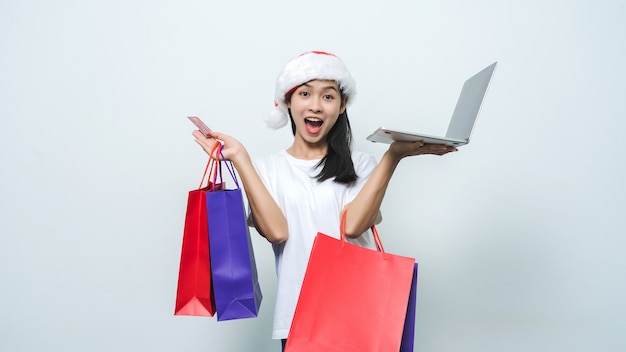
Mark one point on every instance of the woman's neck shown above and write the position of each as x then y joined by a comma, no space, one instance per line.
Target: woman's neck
306,151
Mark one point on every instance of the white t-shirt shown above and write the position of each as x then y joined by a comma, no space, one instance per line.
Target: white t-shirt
309,207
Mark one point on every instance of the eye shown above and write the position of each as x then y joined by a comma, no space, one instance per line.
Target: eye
304,93
329,97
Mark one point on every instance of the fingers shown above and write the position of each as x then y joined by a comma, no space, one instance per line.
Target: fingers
427,148
438,149
215,135
202,139
207,143
420,148
211,138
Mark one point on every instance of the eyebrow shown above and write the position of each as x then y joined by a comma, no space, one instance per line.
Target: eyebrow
323,88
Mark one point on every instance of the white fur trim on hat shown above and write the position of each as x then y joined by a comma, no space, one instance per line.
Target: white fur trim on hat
304,68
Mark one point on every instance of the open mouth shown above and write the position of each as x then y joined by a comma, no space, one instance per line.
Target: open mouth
313,125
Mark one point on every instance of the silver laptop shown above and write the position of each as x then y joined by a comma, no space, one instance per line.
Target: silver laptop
463,118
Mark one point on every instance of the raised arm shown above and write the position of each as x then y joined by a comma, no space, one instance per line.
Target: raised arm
364,209
268,219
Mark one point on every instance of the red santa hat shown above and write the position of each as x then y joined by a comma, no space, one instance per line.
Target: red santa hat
304,68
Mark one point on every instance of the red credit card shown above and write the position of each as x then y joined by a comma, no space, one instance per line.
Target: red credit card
201,126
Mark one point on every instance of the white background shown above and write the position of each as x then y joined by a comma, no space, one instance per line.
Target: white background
520,235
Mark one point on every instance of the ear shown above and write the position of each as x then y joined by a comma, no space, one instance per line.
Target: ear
344,104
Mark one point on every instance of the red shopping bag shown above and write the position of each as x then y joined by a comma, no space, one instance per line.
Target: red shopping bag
194,295
352,298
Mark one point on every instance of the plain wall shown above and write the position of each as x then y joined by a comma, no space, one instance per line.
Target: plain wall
520,235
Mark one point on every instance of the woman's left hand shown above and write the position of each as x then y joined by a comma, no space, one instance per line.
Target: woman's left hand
404,149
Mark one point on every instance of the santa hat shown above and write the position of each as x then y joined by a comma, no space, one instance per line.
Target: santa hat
304,68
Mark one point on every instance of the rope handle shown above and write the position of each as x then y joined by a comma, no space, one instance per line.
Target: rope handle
214,165
231,168
211,167
377,241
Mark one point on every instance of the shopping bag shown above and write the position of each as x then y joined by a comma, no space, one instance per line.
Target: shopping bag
408,334
194,294
352,298
233,266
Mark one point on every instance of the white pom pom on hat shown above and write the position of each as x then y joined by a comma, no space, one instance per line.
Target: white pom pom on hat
304,68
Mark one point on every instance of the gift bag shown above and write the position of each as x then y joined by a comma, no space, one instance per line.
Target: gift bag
408,335
353,299
194,294
233,267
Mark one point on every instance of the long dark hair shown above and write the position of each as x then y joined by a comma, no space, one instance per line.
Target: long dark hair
337,162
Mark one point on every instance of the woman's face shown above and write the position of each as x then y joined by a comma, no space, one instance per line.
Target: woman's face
315,107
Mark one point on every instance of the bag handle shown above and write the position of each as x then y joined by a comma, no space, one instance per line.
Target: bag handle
216,165
211,167
231,168
377,241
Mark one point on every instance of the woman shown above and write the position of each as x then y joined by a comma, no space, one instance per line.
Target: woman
302,190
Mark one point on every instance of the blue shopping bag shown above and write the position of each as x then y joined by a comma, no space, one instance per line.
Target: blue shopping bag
233,267
408,335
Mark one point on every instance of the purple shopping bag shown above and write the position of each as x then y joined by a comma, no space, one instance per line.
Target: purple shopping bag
408,335
233,267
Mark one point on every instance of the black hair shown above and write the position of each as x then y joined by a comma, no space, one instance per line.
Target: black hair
337,162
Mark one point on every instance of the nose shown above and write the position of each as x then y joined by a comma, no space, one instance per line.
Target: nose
315,106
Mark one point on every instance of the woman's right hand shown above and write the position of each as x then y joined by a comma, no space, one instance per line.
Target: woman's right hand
232,149
268,219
